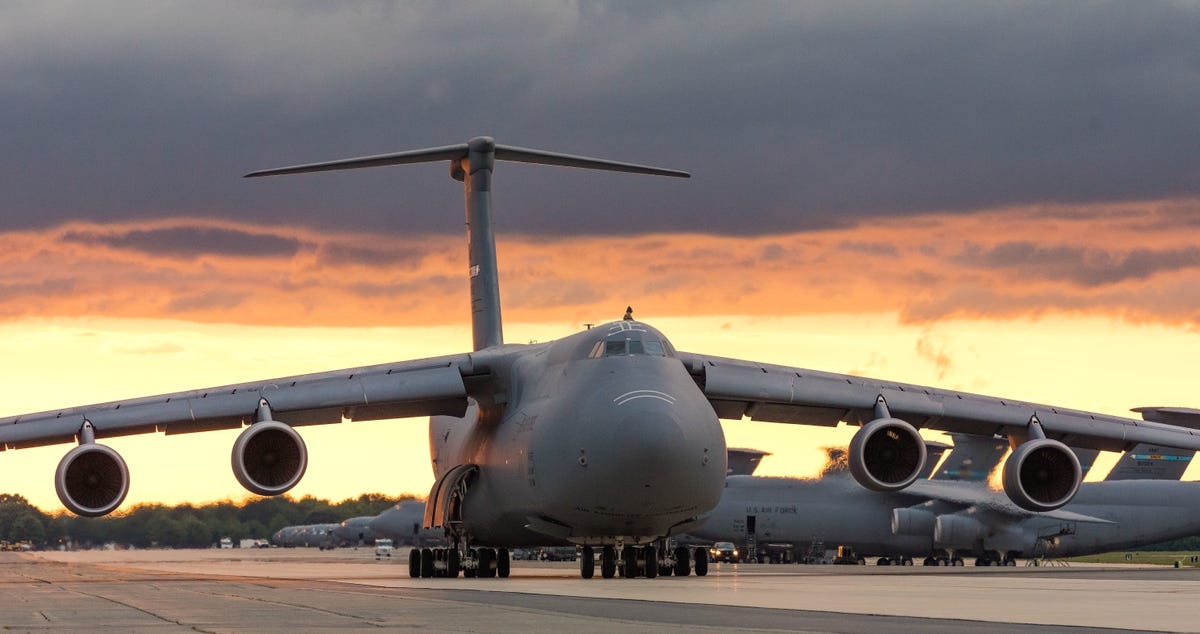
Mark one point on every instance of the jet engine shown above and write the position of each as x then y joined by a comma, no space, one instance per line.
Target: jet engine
91,480
269,458
887,454
1042,475
957,531
909,521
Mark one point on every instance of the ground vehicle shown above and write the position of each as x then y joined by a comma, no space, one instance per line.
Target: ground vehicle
383,548
724,551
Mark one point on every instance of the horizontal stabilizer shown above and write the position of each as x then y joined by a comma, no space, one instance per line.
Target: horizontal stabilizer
462,150
444,153
524,155
1188,417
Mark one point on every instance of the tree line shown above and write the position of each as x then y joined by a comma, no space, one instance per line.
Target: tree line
181,526
191,526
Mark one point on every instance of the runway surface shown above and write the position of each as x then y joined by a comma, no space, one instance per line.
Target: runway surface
306,590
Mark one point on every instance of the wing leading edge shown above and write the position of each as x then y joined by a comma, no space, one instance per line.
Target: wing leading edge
397,390
762,392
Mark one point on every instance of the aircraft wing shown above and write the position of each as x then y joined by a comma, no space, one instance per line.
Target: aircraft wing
396,390
764,392
981,498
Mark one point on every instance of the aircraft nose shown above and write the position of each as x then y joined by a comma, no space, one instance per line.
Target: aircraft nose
649,446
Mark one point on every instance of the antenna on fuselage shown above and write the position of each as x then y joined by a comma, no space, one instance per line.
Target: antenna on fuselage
472,163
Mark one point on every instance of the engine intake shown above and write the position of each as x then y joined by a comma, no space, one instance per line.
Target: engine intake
91,480
1042,475
269,458
887,454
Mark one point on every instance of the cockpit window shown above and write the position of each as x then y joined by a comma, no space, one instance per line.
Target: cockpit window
631,345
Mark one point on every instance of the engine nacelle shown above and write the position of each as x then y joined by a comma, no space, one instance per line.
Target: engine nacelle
915,522
958,531
91,480
269,458
1042,475
887,454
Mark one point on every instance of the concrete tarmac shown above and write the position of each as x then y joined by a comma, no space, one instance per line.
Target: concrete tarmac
304,590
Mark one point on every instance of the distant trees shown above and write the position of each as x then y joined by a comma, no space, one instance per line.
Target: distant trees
183,526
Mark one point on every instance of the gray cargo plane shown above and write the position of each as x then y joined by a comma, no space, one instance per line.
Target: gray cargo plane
943,521
605,439
306,535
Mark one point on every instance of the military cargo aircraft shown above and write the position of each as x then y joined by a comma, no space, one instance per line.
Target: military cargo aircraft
1141,502
606,439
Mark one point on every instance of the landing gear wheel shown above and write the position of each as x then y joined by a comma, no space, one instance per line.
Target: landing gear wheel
587,562
503,563
426,563
929,561
629,567
907,561
487,563
608,562
701,562
414,563
883,561
471,573
957,561
453,563
683,561
651,561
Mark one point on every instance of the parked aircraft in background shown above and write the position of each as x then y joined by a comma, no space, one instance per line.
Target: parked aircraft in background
307,536
355,531
403,524
605,439
945,521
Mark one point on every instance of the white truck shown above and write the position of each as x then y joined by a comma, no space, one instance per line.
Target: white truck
383,548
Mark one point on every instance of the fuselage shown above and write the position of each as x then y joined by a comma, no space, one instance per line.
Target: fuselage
597,438
833,509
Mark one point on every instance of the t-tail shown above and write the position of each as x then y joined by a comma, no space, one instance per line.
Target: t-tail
1152,462
472,163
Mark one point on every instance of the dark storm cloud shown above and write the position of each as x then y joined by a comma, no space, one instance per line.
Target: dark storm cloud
1083,266
189,242
790,115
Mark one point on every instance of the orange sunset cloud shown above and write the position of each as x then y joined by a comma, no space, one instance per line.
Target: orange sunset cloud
1129,260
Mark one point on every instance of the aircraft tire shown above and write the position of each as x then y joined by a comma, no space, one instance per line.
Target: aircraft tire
907,561
683,561
629,567
701,562
651,561
608,562
426,563
453,563
503,563
414,563
587,562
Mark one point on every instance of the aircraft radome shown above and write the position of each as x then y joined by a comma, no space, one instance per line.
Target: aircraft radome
605,439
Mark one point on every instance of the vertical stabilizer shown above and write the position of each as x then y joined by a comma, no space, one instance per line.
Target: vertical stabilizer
473,163
973,458
1148,462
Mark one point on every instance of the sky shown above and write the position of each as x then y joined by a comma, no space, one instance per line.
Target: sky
995,197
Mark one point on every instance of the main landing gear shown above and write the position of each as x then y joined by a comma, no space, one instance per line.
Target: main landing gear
448,562
648,561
